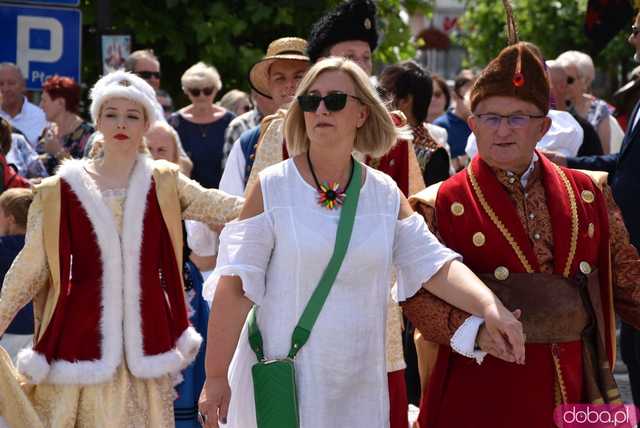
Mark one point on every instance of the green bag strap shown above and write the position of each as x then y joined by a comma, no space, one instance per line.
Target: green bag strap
311,312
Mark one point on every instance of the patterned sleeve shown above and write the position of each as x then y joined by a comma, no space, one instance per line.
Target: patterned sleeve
436,320
625,266
28,273
231,135
210,206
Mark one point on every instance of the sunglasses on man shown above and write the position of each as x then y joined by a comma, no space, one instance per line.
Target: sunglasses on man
333,102
149,74
196,91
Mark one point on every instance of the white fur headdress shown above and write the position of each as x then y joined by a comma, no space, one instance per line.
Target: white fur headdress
122,84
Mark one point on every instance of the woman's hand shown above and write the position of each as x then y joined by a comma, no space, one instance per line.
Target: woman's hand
214,401
52,141
505,331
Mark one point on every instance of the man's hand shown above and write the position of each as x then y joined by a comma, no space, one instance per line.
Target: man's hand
505,330
488,345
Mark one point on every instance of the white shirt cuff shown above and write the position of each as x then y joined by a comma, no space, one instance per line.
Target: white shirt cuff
464,339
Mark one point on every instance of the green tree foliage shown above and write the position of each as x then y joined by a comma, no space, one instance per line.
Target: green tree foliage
230,34
554,25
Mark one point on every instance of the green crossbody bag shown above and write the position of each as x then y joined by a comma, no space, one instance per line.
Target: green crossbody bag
274,381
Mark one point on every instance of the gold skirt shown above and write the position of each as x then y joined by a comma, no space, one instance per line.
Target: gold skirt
124,402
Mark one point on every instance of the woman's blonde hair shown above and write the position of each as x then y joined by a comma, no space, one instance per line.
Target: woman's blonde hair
374,138
201,75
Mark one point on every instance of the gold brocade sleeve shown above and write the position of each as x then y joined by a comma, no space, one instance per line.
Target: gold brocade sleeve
210,206
436,319
625,268
28,274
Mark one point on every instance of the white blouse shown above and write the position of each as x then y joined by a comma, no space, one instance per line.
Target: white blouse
280,255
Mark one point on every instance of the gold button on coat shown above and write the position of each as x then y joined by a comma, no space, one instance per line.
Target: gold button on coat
501,273
585,268
587,196
479,239
457,208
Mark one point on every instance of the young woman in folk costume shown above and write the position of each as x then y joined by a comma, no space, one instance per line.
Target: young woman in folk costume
103,264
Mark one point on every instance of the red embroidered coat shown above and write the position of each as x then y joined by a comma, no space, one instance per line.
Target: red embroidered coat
476,202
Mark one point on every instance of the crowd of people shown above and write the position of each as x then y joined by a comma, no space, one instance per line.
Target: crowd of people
323,251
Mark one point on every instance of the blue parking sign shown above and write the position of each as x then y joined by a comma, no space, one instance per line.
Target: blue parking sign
42,41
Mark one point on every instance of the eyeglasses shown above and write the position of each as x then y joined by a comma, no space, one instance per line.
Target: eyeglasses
514,121
196,91
149,74
571,80
634,30
333,102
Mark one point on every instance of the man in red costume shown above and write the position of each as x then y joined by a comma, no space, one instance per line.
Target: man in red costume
549,241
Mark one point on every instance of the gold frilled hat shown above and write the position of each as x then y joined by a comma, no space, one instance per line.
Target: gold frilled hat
291,48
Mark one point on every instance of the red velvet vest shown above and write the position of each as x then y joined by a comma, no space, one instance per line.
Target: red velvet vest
120,295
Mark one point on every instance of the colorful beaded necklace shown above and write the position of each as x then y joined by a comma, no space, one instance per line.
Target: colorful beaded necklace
330,196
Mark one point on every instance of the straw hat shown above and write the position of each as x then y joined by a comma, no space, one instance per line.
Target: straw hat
292,48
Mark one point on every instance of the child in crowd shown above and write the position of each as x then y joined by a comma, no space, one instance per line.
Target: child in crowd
14,206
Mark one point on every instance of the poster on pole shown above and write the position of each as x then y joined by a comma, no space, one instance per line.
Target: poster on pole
115,50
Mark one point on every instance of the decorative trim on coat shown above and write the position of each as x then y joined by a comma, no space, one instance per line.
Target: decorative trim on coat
121,321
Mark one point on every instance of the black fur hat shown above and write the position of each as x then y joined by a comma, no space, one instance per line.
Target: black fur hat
353,20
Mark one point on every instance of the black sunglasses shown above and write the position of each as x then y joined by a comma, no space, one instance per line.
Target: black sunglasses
570,80
196,91
635,30
333,102
149,74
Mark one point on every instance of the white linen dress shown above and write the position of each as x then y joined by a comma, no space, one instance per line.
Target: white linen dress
280,255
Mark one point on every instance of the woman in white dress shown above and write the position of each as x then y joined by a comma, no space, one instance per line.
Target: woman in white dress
274,256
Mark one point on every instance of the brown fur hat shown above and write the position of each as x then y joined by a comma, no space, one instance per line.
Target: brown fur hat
516,72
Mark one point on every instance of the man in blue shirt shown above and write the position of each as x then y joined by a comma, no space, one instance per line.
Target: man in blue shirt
455,120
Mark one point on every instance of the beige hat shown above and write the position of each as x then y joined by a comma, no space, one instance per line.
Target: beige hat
285,48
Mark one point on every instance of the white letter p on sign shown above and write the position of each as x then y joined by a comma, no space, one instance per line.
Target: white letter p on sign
25,54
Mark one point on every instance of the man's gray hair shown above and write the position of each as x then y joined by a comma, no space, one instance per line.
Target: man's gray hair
13,67
134,57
